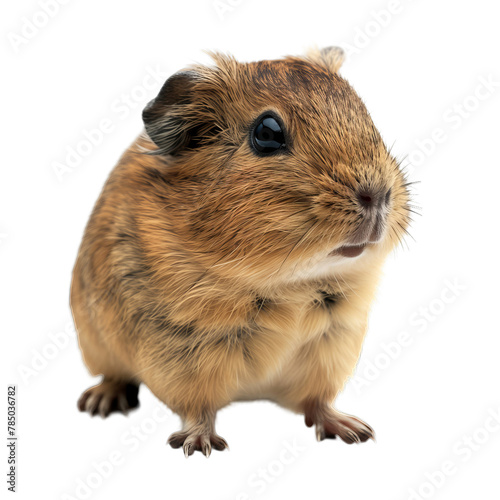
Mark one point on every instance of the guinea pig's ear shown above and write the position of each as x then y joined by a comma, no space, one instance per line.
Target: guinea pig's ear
329,57
166,117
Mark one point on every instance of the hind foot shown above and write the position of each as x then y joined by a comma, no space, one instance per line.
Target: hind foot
331,423
109,396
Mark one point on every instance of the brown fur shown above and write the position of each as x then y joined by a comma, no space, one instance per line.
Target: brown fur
197,274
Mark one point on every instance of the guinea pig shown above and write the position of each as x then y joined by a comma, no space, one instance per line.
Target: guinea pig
235,249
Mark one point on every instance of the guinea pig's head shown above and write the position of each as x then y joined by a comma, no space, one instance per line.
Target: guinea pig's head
279,170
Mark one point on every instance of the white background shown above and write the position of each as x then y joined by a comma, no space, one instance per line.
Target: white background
418,65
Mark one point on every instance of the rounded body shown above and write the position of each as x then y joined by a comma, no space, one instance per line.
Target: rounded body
235,249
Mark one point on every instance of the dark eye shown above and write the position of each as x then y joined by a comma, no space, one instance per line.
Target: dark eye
267,135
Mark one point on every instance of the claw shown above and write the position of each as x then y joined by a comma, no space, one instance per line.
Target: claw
92,404
320,432
188,449
219,443
105,408
354,437
82,401
122,403
206,449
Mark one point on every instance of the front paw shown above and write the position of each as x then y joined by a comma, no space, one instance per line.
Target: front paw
192,441
109,396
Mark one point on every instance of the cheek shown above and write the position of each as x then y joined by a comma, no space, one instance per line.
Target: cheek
339,215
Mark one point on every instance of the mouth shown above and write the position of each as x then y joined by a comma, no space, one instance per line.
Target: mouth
350,251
